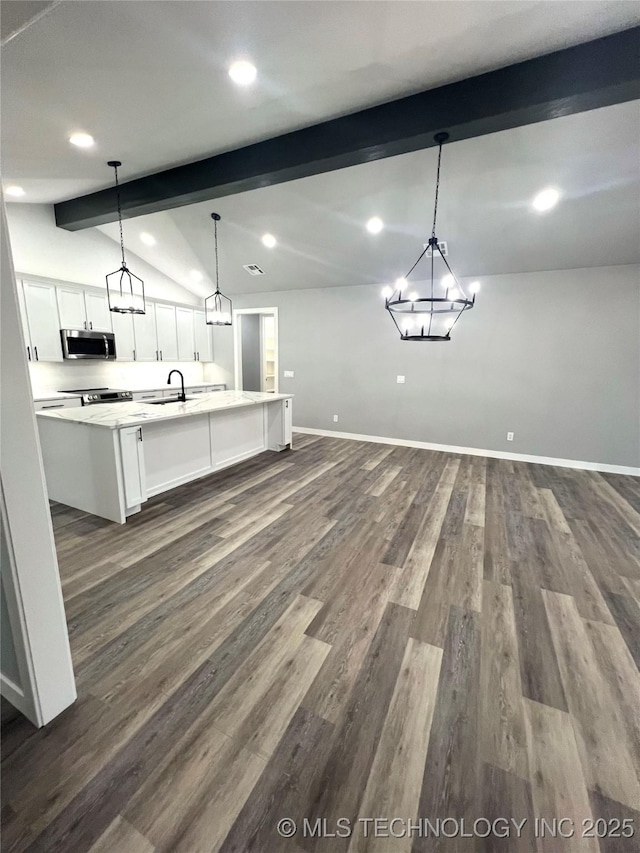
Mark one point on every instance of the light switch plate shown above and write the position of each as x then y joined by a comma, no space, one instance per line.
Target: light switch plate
400,380
288,374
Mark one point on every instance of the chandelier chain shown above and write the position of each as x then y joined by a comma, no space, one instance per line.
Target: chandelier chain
435,206
115,168
215,226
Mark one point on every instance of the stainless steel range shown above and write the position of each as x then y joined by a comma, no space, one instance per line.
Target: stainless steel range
92,396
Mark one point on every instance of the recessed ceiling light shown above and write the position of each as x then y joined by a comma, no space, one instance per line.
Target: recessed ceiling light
81,140
242,72
196,275
269,240
546,199
148,239
15,191
375,225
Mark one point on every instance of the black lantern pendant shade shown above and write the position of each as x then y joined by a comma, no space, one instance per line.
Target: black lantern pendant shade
125,291
218,308
429,312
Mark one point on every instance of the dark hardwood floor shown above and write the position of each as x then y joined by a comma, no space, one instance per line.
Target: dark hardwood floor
345,631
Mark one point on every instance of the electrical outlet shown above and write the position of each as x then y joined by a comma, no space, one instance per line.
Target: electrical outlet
335,419
288,374
509,436
400,380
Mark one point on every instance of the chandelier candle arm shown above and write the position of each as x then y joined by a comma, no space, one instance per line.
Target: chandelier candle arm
218,308
125,291
447,297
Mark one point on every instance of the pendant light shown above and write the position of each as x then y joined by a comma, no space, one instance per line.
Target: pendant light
217,307
430,312
125,291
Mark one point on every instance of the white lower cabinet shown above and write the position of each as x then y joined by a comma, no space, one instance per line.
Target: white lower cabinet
43,405
176,452
133,466
236,435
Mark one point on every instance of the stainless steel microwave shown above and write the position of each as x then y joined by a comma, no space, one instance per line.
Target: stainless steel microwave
79,344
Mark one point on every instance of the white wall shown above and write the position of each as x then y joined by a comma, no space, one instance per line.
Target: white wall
552,356
41,248
31,581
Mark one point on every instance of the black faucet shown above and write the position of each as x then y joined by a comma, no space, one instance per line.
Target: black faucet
183,396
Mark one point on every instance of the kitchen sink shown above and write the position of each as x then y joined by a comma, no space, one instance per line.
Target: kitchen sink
165,400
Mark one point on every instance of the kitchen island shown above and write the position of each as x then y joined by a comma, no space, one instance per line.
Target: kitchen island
109,459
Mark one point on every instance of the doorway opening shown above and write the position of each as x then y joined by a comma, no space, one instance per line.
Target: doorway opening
255,340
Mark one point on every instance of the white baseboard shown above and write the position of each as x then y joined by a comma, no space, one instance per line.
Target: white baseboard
475,451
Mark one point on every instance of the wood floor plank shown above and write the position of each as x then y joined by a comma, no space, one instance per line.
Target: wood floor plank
393,786
122,836
451,780
341,629
601,734
504,742
558,786
339,785
411,582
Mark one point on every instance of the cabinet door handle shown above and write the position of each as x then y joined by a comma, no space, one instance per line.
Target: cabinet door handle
139,433
157,357
35,349
194,355
160,355
286,403
90,324
29,353
198,355
57,406
84,324
134,355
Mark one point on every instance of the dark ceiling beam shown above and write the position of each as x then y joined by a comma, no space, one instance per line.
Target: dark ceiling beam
591,75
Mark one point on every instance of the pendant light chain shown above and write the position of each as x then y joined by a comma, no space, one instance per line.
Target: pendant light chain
215,225
115,168
435,206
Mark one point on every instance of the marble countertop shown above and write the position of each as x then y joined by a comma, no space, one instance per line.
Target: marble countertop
41,396
116,415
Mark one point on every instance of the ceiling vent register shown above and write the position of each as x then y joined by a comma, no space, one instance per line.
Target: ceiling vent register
253,269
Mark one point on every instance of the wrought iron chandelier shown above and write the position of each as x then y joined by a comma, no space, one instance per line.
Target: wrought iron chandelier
125,291
218,308
430,317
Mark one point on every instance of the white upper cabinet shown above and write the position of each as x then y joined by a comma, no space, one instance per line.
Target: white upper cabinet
186,338
125,340
43,322
72,310
167,332
98,315
80,309
144,327
204,342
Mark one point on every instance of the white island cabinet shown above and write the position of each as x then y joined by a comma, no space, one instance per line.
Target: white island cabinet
109,459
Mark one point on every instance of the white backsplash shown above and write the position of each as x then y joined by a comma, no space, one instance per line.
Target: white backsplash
58,376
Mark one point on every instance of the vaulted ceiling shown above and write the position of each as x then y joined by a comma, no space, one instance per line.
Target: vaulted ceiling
149,81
